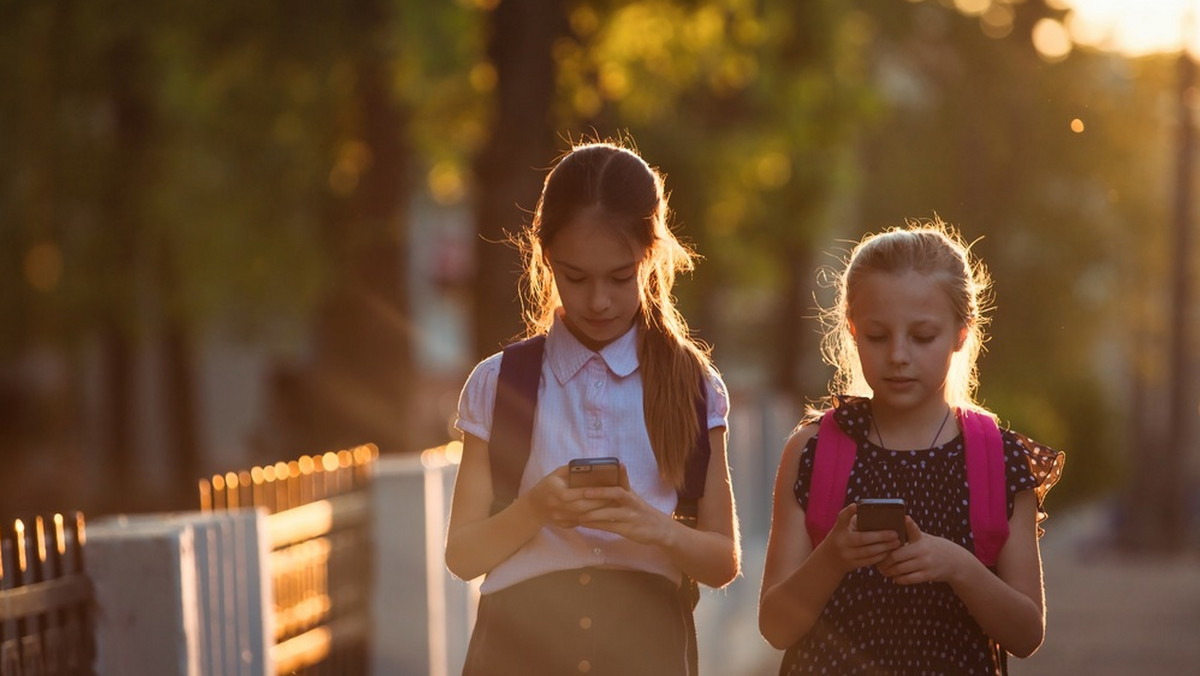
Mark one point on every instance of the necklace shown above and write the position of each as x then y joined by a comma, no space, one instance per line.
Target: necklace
932,444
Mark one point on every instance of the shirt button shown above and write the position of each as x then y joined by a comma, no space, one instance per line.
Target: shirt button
584,666
585,578
585,622
596,551
596,425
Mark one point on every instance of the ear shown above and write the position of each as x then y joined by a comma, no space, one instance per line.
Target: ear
962,338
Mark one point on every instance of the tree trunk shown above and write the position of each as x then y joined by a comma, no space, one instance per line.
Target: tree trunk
362,383
521,143
182,412
1156,512
1175,458
124,221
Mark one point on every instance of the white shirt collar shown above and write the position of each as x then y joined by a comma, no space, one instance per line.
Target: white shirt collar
567,355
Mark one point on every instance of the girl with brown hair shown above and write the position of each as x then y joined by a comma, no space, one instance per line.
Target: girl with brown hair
588,580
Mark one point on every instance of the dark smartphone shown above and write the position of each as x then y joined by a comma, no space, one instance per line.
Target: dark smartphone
585,472
882,514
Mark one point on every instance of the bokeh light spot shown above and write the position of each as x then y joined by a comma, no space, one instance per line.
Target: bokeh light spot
997,21
972,7
482,77
773,169
354,157
1051,40
446,183
43,266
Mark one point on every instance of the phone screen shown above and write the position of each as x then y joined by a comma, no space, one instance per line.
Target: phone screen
882,514
585,472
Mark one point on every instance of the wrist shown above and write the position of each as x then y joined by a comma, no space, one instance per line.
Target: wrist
671,533
826,562
530,511
965,567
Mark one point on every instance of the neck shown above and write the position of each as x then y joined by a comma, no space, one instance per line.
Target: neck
912,429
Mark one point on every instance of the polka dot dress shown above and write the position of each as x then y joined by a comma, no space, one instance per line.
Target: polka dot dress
874,626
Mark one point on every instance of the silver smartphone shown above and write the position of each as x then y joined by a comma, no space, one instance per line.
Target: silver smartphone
586,472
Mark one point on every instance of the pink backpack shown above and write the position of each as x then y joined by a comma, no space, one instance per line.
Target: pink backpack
988,502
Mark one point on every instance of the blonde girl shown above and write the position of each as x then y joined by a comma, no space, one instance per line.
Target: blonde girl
586,580
904,337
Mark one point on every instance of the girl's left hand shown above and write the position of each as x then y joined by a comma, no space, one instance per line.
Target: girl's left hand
626,514
925,558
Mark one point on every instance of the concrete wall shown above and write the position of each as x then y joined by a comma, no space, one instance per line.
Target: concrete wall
184,594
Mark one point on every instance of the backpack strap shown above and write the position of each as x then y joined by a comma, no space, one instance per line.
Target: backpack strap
831,473
512,417
696,470
986,482
512,430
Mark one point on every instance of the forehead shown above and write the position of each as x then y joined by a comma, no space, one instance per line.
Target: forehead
591,241
899,297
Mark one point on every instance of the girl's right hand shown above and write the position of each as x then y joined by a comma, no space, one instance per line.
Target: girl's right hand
557,503
852,548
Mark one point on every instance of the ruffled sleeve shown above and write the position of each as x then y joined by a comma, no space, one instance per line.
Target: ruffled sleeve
1031,466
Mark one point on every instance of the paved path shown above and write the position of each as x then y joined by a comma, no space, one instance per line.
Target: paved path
1113,615
1108,615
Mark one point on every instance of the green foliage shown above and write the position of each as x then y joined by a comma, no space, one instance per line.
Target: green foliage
784,128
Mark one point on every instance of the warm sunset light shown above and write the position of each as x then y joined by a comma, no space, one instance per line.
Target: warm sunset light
1133,27
1051,40
260,271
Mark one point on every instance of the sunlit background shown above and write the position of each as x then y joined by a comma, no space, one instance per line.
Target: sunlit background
1134,28
235,234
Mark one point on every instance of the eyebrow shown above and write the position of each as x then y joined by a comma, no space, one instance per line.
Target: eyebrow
631,266
920,323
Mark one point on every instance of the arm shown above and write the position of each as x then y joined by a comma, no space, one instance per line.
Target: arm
1008,605
798,580
710,553
477,541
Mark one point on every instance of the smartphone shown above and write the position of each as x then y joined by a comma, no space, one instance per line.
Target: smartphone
585,472
882,514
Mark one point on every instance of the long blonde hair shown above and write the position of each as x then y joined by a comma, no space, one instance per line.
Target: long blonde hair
619,183
932,248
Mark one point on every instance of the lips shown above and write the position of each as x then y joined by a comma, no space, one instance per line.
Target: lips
597,323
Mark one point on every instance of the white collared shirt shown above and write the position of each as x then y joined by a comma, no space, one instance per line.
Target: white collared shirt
589,405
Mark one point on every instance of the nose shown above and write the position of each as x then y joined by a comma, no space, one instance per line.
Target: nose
899,351
599,297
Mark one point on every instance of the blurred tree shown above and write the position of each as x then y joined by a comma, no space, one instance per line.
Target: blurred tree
979,131
749,108
205,172
364,372
1157,513
246,171
520,141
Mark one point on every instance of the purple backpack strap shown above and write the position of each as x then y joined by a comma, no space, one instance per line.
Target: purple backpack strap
512,430
987,484
831,473
512,417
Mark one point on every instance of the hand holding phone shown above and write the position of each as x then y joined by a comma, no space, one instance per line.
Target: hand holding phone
883,514
591,472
